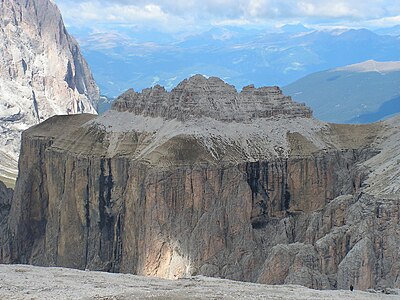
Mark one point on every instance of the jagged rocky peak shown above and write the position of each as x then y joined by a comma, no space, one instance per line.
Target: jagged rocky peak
42,74
199,96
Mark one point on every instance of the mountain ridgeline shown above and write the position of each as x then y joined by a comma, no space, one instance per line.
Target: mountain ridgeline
361,93
42,73
207,180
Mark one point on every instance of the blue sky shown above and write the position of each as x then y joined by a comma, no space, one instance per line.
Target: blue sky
193,15
146,42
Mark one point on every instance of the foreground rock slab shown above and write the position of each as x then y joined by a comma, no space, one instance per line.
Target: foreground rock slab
28,282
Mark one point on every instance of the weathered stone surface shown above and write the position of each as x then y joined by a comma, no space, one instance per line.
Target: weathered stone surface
42,73
5,200
278,199
6,195
25,282
198,97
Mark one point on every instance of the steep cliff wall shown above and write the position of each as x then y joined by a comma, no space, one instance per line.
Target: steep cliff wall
42,73
277,200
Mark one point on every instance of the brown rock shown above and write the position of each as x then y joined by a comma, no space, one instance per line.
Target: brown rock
169,198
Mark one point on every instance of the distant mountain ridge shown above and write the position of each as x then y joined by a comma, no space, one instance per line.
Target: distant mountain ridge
360,93
242,56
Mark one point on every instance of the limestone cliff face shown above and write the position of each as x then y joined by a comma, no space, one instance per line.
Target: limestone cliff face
6,195
199,97
278,199
42,73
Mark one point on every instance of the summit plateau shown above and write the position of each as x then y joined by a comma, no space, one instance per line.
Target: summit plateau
206,180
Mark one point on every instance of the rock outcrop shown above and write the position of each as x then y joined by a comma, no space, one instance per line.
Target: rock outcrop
6,195
42,73
198,97
156,190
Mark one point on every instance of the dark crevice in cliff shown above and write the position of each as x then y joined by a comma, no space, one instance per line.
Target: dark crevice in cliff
69,76
106,222
253,176
105,192
257,183
257,179
117,245
24,66
348,248
35,106
285,194
286,198
87,213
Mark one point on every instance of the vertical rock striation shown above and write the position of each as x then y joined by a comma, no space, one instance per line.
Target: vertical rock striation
274,198
42,73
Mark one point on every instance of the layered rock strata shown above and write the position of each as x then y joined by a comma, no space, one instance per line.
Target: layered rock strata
42,73
212,97
284,199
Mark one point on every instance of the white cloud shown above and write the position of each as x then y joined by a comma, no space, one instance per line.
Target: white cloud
385,21
180,15
96,11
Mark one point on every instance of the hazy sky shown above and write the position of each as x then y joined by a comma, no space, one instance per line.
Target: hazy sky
191,15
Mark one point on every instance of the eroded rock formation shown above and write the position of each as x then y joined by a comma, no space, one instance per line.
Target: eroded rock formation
201,97
42,73
276,199
5,201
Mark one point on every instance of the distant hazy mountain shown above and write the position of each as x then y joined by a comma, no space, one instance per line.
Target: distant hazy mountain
394,30
359,93
104,104
135,58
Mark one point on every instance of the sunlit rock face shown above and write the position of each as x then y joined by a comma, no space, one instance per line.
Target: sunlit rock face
198,97
42,73
156,188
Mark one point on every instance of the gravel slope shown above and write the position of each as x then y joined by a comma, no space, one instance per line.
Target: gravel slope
28,282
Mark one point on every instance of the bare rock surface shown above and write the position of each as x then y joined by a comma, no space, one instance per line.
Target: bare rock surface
273,199
42,73
22,282
198,97
6,195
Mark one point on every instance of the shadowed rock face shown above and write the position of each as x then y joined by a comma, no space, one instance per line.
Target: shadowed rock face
42,73
6,195
281,200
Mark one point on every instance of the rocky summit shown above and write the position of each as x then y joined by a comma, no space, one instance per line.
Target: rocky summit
205,180
201,97
42,73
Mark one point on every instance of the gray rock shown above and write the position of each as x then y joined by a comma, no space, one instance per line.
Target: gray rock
199,97
42,73
6,195
276,199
